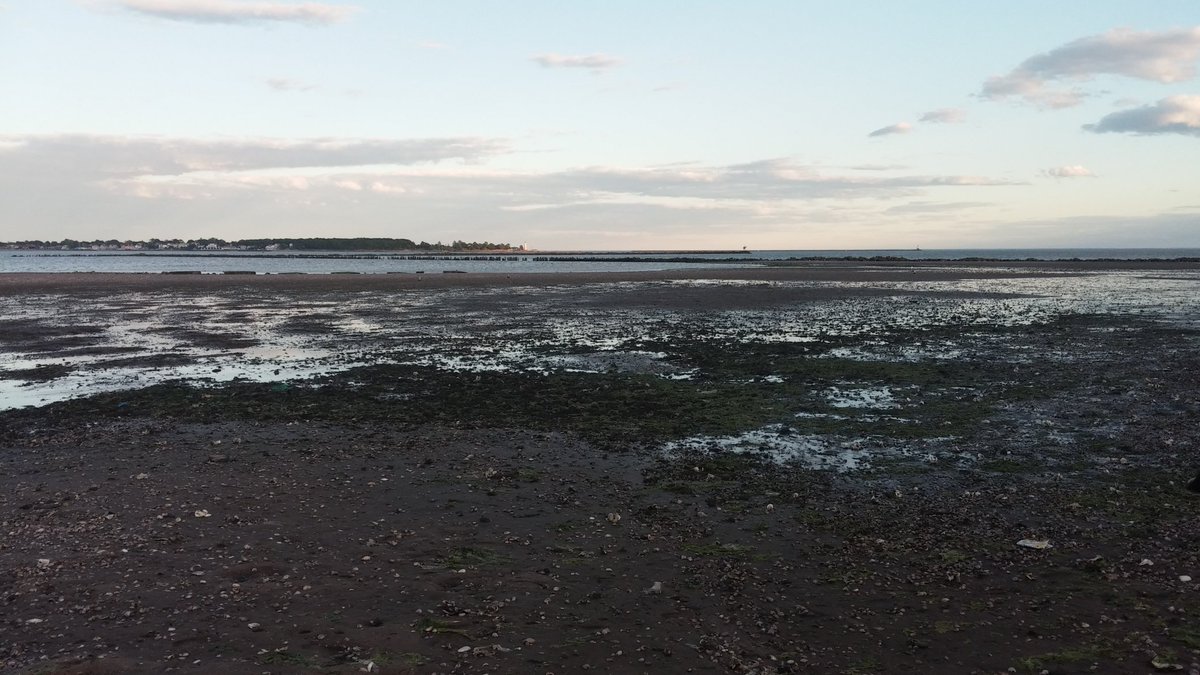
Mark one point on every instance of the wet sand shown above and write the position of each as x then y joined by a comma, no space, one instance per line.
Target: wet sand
822,468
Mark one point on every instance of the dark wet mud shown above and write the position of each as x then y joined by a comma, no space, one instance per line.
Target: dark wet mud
737,475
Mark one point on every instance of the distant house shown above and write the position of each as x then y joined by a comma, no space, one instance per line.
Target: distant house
212,247
273,247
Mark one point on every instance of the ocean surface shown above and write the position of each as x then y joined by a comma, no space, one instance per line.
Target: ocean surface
315,262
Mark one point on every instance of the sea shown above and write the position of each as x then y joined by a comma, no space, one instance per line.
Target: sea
390,262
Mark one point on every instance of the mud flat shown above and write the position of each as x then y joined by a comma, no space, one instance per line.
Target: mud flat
828,468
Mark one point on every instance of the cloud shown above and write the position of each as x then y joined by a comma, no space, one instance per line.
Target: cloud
95,158
1163,56
286,84
1069,171
944,116
675,186
157,159
934,208
234,12
85,186
1171,115
898,128
597,63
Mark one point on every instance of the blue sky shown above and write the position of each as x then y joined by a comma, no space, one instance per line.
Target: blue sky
604,124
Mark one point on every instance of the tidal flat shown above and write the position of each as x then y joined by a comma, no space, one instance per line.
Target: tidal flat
822,467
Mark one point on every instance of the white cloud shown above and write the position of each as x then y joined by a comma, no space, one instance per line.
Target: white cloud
766,180
79,161
597,63
697,186
681,186
1069,171
87,186
1163,56
1171,115
944,116
287,84
387,188
898,128
237,12
935,208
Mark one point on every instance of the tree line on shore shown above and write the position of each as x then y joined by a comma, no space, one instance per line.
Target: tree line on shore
290,244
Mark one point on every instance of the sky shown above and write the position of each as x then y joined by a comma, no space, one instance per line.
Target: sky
649,124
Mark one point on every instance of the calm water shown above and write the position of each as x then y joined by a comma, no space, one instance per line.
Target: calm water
381,263
311,263
999,254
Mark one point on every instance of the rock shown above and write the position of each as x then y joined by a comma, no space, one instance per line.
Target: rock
1034,543
614,518
1146,562
656,588
255,627
1184,578
202,513
1194,484
490,650
1159,663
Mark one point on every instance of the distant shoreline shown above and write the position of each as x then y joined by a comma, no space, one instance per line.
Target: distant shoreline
597,256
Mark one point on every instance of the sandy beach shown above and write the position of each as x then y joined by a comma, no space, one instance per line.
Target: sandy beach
826,468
